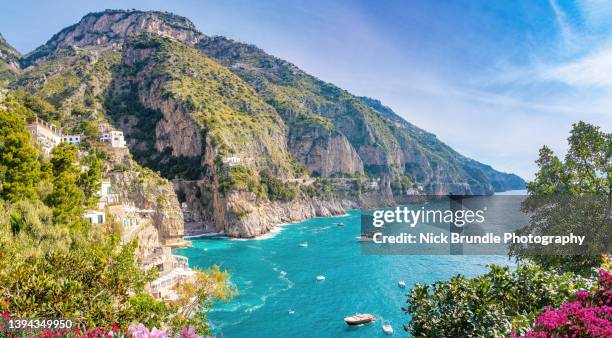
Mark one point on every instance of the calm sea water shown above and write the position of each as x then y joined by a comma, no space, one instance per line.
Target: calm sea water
280,296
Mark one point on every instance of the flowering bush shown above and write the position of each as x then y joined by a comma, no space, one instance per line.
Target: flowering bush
589,315
493,304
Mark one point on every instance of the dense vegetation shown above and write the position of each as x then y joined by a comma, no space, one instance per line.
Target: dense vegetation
53,264
491,305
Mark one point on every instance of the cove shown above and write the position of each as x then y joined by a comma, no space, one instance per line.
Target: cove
280,296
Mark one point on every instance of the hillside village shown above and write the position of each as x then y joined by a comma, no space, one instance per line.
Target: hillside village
134,221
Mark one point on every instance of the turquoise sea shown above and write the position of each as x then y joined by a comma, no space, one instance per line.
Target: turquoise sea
280,296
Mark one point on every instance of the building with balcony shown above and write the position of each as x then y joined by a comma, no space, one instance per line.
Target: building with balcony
46,134
114,138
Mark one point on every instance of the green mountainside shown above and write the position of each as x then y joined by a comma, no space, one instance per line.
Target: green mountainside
188,102
385,142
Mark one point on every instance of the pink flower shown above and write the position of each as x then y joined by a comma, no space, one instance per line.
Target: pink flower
140,331
189,332
582,294
155,333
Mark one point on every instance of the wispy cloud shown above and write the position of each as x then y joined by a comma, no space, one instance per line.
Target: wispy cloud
592,70
569,39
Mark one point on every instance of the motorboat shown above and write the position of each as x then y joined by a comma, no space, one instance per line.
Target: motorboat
340,224
304,245
320,278
401,284
387,328
359,319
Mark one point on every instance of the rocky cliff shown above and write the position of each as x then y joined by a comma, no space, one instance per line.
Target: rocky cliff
9,61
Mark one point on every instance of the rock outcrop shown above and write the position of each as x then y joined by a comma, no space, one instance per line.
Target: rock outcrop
140,188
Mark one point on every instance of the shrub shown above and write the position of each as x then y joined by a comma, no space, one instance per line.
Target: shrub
493,304
588,315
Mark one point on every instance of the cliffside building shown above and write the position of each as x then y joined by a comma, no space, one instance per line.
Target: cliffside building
96,217
46,134
114,138
72,138
231,161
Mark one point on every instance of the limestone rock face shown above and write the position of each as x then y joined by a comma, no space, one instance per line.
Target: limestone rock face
112,26
324,152
146,191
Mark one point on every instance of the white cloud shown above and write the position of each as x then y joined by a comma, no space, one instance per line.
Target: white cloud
591,70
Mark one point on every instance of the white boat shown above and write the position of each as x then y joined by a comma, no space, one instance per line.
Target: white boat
320,278
401,284
359,318
291,311
387,328
304,245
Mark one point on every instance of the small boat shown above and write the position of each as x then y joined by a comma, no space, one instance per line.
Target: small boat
304,245
320,278
387,328
401,284
291,311
340,224
359,318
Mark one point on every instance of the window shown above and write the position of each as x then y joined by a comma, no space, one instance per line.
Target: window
100,219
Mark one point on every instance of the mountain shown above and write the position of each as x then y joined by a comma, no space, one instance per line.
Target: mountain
384,142
249,140
9,61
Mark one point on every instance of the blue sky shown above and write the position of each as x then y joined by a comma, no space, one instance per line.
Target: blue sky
494,79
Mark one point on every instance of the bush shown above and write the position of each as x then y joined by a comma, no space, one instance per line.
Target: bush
493,304
238,177
275,188
588,315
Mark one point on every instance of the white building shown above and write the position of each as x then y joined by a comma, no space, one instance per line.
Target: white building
231,161
95,216
114,138
106,194
72,138
46,134
372,185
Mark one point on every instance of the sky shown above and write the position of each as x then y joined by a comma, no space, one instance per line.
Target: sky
495,80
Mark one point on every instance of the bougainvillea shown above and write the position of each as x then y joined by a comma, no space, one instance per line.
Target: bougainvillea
589,315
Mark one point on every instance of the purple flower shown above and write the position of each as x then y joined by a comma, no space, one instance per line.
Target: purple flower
189,332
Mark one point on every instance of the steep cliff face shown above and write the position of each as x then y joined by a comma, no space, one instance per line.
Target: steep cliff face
143,189
325,151
9,61
111,27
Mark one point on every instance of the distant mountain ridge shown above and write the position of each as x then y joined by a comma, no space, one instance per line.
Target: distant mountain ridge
187,102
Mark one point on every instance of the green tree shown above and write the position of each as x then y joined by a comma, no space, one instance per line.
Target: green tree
572,196
89,180
20,170
67,199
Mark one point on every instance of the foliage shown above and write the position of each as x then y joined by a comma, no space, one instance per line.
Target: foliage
490,305
67,199
275,188
589,314
89,180
575,196
20,170
52,264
